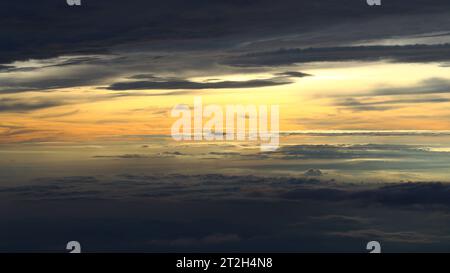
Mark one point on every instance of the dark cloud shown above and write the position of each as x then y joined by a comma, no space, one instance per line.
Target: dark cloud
294,152
75,187
144,76
403,237
342,219
313,172
61,62
184,84
409,193
357,105
158,37
234,187
404,194
46,33
223,213
283,57
28,104
52,81
294,74
125,156
17,105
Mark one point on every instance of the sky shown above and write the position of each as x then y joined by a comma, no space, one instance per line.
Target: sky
89,72
86,153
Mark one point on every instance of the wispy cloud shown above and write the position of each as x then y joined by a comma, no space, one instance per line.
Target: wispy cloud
19,105
406,54
383,105
185,84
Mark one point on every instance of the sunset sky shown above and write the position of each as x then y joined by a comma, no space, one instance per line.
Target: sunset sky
86,153
364,68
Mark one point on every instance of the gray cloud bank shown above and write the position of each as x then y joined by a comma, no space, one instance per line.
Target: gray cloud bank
200,38
224,213
203,23
179,187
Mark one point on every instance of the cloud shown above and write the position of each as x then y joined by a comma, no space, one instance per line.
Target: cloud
283,57
236,187
402,194
63,188
57,73
60,115
313,172
201,25
27,103
411,237
357,105
409,193
369,101
360,105
16,132
306,152
429,86
294,74
125,156
51,63
185,84
18,105
197,41
268,213
341,219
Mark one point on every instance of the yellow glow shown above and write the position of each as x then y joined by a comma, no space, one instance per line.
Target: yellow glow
306,104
